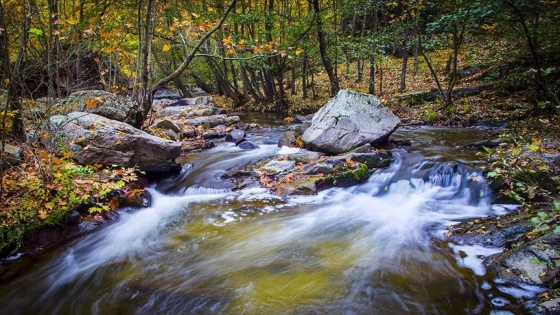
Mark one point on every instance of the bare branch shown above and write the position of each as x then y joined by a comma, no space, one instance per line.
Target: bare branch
193,53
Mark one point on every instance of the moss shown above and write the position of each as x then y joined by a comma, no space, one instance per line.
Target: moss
345,176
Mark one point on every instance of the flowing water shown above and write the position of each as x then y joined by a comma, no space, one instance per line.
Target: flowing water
376,248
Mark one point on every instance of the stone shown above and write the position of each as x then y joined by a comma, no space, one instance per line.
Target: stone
211,121
94,139
12,156
276,167
236,135
288,139
167,124
247,145
349,120
166,94
366,148
221,130
210,134
100,102
533,262
191,133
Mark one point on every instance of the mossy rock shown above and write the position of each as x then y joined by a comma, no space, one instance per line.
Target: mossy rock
345,176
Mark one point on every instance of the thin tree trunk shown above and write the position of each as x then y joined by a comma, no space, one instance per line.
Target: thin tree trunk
404,66
304,83
323,49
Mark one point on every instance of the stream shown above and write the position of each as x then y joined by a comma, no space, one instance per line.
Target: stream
376,248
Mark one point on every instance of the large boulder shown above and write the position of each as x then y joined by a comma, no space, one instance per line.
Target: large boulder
349,120
94,139
102,103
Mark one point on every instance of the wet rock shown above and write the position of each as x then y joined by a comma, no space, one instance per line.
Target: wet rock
305,157
547,307
93,139
348,121
374,160
304,187
288,139
489,235
534,262
242,179
12,156
102,103
485,143
344,177
197,145
235,135
276,167
247,145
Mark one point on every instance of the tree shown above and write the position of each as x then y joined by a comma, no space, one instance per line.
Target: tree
145,91
9,77
327,63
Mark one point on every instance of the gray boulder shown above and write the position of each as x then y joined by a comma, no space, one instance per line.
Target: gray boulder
12,156
95,139
349,120
102,103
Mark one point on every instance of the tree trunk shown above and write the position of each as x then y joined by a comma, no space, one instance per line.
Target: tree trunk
304,83
17,129
323,49
404,66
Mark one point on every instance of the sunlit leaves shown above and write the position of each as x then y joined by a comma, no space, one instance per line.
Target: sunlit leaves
36,31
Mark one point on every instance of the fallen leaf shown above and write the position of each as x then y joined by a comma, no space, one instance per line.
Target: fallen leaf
92,103
43,214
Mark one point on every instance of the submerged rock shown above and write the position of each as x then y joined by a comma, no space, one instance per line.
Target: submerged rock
348,121
247,145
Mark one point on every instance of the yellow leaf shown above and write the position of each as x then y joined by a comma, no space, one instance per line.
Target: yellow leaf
56,160
67,154
299,51
72,20
92,103
43,214
166,48
227,41
44,154
230,52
